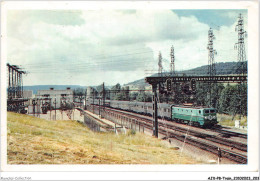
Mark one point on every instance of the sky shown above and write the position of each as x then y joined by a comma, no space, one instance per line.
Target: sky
89,47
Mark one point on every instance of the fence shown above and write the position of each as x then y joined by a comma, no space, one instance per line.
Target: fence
122,120
91,123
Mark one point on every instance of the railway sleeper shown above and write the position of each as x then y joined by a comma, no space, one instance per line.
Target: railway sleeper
203,146
213,149
239,146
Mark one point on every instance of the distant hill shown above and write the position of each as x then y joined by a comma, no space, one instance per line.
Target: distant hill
222,68
35,88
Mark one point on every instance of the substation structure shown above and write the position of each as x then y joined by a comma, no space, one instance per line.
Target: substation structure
15,99
169,81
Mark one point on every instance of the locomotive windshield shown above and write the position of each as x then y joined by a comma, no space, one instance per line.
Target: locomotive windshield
210,111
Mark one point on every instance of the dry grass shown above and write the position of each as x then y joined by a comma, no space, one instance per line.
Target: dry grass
226,120
37,141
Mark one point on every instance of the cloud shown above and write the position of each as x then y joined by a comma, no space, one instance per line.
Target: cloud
59,17
213,17
86,47
226,38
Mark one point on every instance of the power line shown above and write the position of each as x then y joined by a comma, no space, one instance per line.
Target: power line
79,63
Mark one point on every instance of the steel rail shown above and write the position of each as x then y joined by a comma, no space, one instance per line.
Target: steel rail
233,144
230,133
202,145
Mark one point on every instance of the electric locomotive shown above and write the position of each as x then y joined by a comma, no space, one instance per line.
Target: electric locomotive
199,116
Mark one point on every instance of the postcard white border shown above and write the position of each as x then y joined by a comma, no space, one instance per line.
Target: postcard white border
253,82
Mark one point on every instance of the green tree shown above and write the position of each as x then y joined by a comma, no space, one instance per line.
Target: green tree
203,97
79,92
143,96
114,91
126,93
133,96
233,99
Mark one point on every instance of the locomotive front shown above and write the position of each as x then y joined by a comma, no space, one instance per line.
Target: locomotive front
200,116
210,116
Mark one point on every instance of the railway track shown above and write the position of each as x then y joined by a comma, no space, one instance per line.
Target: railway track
213,138
218,129
227,133
177,132
209,147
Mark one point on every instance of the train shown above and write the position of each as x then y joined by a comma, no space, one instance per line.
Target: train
196,116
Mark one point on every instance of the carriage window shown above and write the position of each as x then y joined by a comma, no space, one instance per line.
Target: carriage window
212,111
206,111
200,112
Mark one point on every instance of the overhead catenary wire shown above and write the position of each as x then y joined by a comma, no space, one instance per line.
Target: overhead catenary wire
91,58
164,121
82,65
95,57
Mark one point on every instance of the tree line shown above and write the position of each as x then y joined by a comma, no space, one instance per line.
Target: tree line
226,98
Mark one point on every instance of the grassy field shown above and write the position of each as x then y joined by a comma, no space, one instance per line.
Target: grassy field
37,141
226,120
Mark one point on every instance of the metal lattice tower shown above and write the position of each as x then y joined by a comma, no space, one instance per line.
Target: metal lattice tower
212,52
211,65
160,64
240,46
172,61
241,57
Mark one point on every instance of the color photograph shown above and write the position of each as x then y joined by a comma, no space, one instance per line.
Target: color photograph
124,85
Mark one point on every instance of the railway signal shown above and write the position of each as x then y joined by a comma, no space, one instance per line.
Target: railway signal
169,85
155,81
193,85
